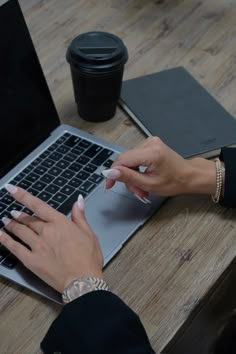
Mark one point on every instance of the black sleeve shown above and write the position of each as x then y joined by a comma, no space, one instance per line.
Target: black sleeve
228,155
97,323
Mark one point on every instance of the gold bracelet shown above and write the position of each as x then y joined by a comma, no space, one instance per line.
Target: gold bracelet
220,173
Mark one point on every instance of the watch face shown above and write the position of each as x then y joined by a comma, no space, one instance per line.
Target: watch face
79,288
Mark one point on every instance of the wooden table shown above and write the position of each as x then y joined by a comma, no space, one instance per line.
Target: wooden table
170,264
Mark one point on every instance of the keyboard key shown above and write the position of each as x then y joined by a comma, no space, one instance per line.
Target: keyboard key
39,185
55,171
87,187
95,178
28,169
68,174
47,178
27,211
15,206
53,204
62,164
24,184
2,207
32,177
108,163
60,181
36,162
19,177
82,175
70,157
63,149
102,157
55,156
67,135
53,147
75,182
93,150
66,207
5,214
40,170
72,141
44,196
10,262
75,167
7,199
90,168
68,190
44,154
61,139
83,160
3,192
3,253
85,143
59,197
33,191
52,188
78,151
48,163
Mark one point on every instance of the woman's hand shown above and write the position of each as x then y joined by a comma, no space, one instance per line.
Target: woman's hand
59,250
166,172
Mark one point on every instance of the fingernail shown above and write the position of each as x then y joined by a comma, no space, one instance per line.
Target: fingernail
147,200
11,189
141,199
112,173
15,213
6,220
104,186
80,202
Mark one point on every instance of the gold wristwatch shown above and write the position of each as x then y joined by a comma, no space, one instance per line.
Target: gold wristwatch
82,286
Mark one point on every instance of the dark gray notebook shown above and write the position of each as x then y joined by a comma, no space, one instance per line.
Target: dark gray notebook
172,105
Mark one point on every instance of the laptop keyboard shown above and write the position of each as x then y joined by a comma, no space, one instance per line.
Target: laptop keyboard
64,170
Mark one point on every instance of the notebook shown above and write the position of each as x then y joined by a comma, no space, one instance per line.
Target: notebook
52,161
171,104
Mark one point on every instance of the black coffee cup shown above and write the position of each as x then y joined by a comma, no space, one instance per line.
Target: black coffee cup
97,62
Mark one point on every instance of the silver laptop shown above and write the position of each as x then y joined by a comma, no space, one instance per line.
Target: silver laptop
54,162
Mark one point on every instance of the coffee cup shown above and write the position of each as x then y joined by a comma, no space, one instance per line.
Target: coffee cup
97,62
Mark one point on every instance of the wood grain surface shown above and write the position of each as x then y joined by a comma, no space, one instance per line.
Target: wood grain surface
169,264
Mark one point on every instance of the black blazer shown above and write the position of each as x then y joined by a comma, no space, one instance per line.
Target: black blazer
100,322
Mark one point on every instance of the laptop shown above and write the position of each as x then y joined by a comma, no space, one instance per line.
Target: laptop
54,162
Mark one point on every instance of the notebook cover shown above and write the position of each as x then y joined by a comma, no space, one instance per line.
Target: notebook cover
172,105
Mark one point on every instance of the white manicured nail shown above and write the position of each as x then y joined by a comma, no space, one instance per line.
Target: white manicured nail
141,199
112,173
11,189
16,214
147,200
104,186
6,220
80,202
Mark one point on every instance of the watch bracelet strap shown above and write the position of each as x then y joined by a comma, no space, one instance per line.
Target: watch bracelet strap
99,283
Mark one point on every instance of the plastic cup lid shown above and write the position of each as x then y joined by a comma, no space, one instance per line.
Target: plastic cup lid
97,51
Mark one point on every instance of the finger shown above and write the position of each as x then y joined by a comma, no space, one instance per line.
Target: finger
130,177
20,251
77,213
33,222
21,231
133,158
137,191
41,209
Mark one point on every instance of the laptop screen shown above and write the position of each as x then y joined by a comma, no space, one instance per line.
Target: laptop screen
27,112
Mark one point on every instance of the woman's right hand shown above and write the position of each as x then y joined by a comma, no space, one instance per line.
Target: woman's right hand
166,172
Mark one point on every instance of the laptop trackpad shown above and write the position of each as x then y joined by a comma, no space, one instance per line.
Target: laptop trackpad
114,216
